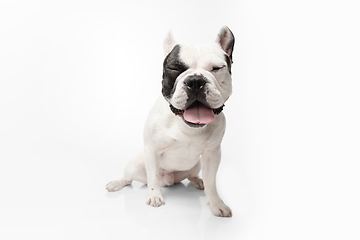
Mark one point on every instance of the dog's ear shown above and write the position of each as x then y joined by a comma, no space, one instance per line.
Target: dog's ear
226,40
169,43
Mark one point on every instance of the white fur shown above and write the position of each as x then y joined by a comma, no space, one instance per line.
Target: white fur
174,151
169,43
200,59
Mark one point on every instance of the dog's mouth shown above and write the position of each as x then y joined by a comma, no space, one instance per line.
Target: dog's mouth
197,114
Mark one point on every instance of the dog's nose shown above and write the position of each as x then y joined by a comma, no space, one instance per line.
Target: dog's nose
195,83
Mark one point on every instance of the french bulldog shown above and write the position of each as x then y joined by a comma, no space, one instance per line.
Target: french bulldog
185,127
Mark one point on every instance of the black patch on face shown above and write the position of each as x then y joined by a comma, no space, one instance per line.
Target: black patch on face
172,68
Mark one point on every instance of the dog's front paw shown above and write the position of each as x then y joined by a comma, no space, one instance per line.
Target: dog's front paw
155,200
220,209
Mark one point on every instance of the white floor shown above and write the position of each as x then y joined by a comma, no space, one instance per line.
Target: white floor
65,198
77,79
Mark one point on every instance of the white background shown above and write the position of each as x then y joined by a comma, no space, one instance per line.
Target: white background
77,79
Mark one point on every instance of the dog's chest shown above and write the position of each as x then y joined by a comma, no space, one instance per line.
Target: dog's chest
180,156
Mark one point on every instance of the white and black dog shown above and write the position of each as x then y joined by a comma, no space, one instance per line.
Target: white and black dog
184,129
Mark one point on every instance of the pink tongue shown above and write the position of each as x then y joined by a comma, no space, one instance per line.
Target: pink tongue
198,113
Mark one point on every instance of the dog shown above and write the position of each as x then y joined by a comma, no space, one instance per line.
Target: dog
184,129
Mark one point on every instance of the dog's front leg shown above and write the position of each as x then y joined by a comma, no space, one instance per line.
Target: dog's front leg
210,161
155,198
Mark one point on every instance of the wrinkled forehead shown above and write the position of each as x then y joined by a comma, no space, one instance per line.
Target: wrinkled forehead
202,55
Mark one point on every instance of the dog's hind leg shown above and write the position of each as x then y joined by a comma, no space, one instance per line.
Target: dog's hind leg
192,175
134,170
117,185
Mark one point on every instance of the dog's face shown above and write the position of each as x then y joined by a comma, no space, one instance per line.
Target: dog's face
197,78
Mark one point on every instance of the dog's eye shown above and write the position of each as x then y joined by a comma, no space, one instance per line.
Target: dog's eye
216,68
173,69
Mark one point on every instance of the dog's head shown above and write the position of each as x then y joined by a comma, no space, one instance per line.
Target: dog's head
197,78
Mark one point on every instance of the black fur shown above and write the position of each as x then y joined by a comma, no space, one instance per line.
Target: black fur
228,62
172,68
